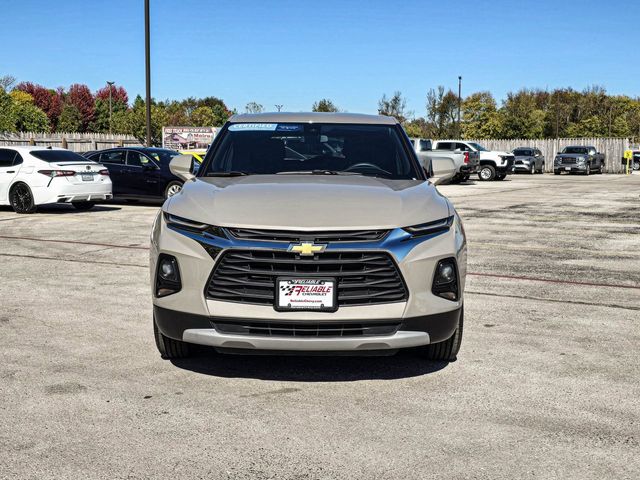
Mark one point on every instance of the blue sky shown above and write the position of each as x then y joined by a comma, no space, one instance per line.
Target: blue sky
296,52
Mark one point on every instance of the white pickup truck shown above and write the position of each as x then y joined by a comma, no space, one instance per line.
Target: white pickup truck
494,165
452,165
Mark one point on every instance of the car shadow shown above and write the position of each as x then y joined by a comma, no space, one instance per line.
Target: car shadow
66,209
300,368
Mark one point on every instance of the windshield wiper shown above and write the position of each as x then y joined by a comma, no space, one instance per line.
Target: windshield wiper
232,173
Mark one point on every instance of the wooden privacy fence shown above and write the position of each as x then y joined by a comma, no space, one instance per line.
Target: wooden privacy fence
613,148
77,142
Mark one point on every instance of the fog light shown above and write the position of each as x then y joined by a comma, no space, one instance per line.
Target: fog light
445,281
167,269
446,273
168,276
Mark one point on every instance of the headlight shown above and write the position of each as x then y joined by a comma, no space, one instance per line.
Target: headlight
429,228
182,223
558,160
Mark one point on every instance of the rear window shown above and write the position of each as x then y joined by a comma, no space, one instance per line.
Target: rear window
57,156
302,148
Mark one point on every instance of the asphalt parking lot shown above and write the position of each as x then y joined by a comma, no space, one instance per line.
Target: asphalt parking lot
546,385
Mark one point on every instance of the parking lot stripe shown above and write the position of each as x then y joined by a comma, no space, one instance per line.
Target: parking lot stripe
76,242
556,300
75,260
551,280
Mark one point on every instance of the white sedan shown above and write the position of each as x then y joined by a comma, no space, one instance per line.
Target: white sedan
32,176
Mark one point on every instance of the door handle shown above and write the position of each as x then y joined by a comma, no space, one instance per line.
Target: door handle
11,171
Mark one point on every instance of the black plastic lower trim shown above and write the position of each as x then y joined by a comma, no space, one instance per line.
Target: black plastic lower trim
171,323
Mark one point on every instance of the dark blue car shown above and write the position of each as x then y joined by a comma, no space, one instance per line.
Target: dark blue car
140,172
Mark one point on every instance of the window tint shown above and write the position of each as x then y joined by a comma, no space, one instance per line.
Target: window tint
445,146
425,145
6,157
57,156
269,148
463,147
578,150
137,159
522,152
114,157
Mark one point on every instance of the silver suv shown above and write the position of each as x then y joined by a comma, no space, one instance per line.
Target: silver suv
306,233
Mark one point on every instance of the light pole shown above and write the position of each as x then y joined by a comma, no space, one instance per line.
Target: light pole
110,108
147,61
459,102
279,107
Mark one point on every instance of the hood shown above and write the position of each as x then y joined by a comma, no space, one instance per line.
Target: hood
311,202
571,155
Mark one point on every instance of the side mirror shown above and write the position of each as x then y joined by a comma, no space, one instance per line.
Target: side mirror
180,166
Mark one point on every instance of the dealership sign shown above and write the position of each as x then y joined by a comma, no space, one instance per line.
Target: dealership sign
187,138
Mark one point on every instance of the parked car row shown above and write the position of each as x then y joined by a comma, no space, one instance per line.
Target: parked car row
457,160
140,173
32,176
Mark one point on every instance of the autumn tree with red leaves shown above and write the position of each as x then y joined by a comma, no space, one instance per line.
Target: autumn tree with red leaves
49,101
81,97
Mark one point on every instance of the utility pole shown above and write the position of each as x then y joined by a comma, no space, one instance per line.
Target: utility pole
279,107
147,61
110,108
459,102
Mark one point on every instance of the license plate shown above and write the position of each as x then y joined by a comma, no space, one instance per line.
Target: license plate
567,168
87,177
317,294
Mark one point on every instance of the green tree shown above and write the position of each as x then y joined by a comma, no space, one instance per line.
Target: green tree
442,112
7,113
70,119
480,117
253,107
29,118
203,117
396,107
522,116
324,105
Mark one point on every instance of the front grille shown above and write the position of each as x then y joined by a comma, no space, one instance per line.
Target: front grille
297,236
568,160
519,162
249,276
270,329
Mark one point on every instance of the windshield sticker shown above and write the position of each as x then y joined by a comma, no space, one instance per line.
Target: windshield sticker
289,128
250,127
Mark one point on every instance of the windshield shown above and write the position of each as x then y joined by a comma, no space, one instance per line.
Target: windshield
580,150
311,148
162,156
478,147
58,156
523,153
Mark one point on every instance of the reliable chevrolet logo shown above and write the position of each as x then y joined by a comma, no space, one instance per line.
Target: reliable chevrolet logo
306,249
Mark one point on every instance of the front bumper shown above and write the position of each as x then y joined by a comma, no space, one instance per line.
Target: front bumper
189,315
521,167
574,168
201,330
506,168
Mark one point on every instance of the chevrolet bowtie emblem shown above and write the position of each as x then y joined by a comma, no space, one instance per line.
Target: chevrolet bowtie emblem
306,249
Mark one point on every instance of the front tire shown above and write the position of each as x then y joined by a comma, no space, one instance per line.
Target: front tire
172,189
446,351
168,347
588,171
636,166
83,206
21,199
487,173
